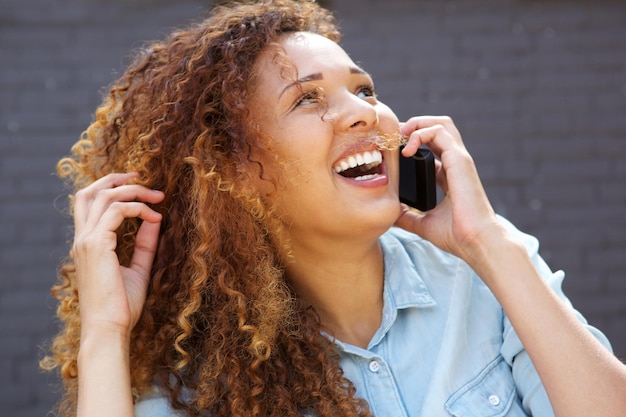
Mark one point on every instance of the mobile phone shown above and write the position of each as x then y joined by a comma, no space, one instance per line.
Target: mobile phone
418,188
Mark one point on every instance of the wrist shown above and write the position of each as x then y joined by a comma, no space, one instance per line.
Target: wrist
101,324
493,253
104,372
102,339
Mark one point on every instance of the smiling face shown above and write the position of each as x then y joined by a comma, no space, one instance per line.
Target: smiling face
321,128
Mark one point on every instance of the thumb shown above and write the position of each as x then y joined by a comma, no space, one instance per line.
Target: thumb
145,247
411,220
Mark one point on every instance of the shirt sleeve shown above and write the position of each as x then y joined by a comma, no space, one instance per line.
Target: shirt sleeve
530,389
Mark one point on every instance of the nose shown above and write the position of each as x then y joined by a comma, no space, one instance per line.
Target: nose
355,114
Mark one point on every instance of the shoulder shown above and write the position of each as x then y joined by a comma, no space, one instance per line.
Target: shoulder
411,242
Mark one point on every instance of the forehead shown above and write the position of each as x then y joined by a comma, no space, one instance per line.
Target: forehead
306,48
306,53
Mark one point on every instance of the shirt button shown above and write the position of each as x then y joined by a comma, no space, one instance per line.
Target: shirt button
374,366
494,400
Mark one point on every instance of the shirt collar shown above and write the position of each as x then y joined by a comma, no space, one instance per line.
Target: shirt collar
404,286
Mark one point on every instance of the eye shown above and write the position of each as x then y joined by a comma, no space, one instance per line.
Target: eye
366,91
314,96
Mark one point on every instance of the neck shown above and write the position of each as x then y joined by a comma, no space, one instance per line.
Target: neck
343,282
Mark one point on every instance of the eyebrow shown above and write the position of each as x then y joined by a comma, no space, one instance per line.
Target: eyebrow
311,77
316,77
357,70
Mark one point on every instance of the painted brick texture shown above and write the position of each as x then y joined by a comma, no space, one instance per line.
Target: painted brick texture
537,88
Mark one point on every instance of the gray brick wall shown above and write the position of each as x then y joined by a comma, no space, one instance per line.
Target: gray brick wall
538,89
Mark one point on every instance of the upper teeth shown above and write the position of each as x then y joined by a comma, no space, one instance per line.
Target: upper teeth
362,158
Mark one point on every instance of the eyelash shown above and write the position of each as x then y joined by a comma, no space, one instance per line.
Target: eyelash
309,96
316,95
369,89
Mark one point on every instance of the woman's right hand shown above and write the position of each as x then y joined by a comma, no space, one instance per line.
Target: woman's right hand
111,295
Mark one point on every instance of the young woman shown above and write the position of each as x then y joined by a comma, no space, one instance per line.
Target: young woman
240,249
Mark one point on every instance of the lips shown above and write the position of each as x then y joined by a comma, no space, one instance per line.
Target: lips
360,166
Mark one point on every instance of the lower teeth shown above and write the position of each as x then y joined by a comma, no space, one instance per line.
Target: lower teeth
364,177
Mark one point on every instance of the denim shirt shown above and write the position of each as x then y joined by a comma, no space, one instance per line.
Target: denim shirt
444,347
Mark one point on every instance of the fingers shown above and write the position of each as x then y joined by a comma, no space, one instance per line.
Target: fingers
420,122
92,204
83,198
130,199
101,208
117,211
102,239
442,137
437,132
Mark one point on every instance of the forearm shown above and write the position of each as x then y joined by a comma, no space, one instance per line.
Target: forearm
580,376
104,375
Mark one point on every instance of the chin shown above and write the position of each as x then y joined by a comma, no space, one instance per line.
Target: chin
379,216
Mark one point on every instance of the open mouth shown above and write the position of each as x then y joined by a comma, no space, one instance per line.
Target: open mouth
360,166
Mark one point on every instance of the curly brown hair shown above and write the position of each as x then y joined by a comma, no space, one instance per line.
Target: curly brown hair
222,331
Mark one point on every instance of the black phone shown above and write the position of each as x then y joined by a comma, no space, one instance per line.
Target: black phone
418,187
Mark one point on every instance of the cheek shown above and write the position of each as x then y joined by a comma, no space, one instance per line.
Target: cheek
388,120
393,167
275,172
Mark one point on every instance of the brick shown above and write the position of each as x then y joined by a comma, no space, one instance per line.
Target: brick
604,305
23,256
583,284
589,40
562,258
612,149
609,259
612,191
16,77
538,146
616,281
565,237
40,278
22,301
578,214
23,165
28,323
611,16
577,171
38,38
26,211
502,44
46,186
484,21
563,194
13,347
15,396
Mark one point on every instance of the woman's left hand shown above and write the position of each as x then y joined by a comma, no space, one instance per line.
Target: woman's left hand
464,217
